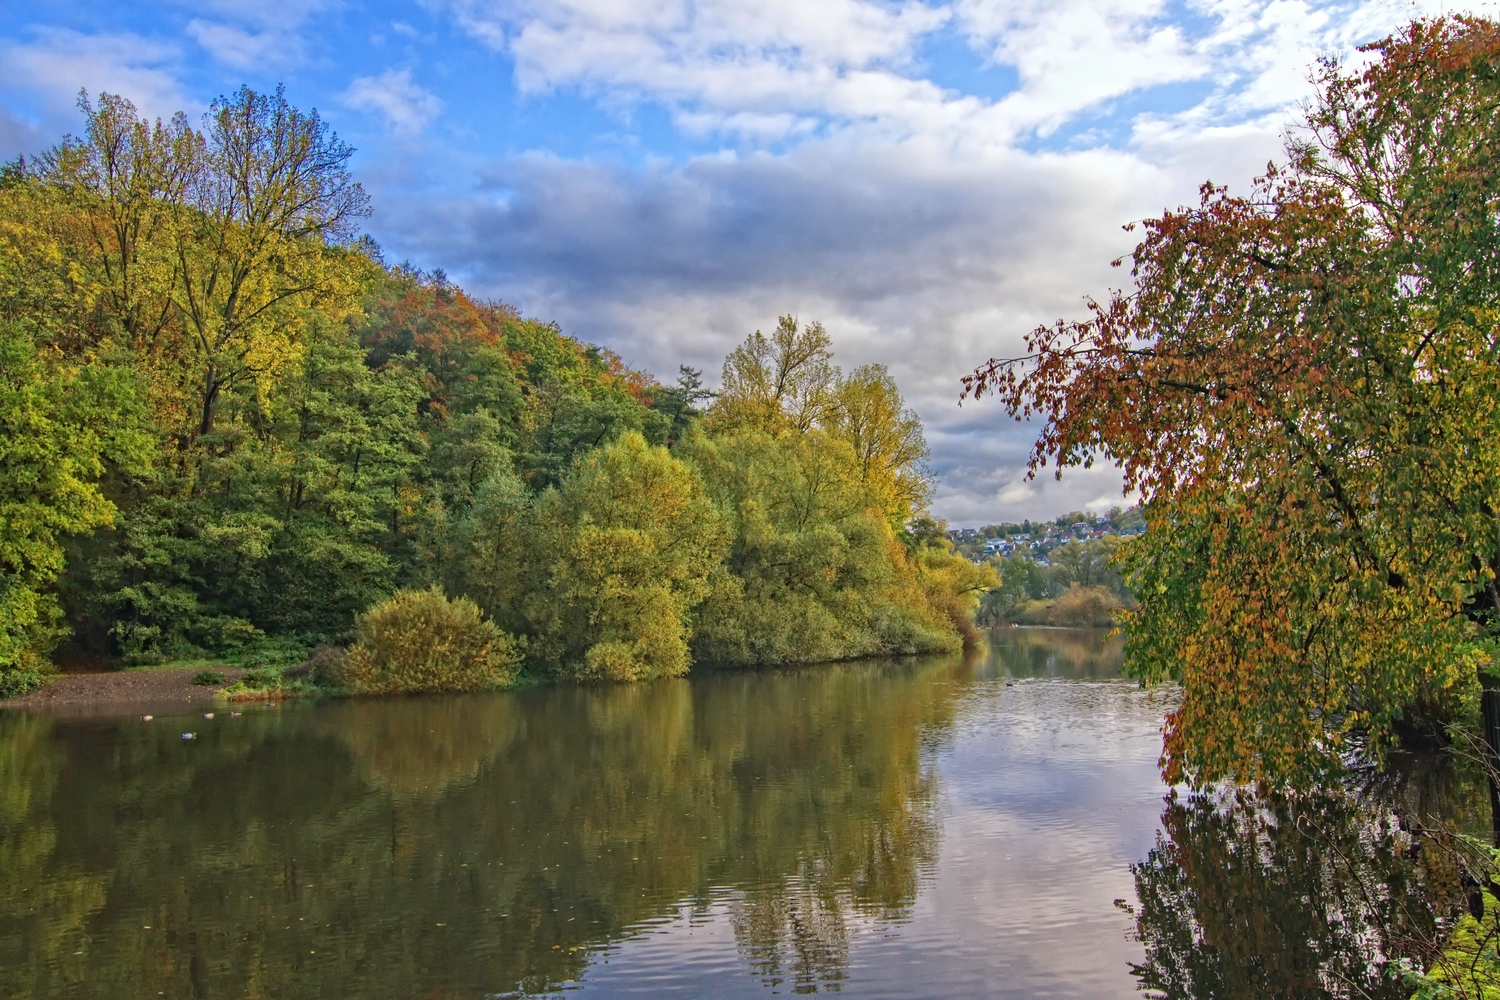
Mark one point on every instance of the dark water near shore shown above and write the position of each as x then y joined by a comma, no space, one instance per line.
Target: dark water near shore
941,828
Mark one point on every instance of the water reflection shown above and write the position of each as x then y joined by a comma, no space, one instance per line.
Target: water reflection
939,828
1092,654
1306,896
456,847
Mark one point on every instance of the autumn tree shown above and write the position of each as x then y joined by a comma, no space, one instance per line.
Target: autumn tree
219,238
1303,386
865,409
784,380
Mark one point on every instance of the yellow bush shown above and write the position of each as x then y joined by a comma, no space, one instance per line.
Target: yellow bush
1077,606
418,640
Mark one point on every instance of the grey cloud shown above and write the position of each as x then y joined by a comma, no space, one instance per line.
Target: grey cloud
19,137
921,259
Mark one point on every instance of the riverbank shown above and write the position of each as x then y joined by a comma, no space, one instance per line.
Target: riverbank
168,689
124,692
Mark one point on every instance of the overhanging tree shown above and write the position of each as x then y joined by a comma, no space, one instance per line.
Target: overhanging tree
1304,385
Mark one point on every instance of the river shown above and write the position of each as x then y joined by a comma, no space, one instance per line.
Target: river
985,826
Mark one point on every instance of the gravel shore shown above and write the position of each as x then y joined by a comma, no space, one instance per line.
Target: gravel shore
123,692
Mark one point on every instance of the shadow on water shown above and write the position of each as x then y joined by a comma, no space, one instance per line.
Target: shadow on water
467,846
1253,894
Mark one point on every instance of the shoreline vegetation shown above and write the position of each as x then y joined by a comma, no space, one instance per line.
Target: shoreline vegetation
1299,382
230,432
176,688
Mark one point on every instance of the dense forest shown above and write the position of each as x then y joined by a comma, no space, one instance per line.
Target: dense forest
229,430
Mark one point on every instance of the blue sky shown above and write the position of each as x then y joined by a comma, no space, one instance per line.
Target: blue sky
929,180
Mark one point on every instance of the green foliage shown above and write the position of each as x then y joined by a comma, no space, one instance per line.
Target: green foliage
267,684
1092,607
630,538
571,420
418,640
18,681
59,425
294,524
1467,966
229,431
814,571
1081,584
208,678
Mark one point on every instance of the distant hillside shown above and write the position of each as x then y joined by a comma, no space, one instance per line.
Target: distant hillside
1038,538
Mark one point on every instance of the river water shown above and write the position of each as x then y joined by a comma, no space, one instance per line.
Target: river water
991,826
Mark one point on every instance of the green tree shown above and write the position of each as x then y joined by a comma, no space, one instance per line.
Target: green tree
59,425
630,538
814,571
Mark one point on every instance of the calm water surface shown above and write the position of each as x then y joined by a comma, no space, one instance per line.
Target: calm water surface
931,828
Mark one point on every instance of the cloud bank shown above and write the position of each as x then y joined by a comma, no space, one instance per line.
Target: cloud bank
926,227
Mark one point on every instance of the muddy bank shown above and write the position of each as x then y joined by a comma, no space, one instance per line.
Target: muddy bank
160,690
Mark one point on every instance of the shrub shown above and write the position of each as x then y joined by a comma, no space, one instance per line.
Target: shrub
323,664
15,682
1077,606
267,684
271,651
418,640
208,678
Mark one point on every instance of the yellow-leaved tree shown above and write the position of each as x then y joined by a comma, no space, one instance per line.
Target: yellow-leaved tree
212,245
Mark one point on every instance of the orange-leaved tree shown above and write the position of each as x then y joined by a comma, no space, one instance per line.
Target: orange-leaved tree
1304,386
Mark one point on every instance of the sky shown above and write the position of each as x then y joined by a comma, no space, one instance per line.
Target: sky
929,180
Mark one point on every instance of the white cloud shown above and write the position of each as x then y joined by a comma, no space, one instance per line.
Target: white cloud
721,62
250,34
406,107
241,48
783,68
60,62
1075,54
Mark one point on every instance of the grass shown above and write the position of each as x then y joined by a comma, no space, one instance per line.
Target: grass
268,684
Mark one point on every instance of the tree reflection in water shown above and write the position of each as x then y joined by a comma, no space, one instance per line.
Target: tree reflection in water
468,846
1092,654
1295,896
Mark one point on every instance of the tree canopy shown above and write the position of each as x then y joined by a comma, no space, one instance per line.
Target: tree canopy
229,429
1303,386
